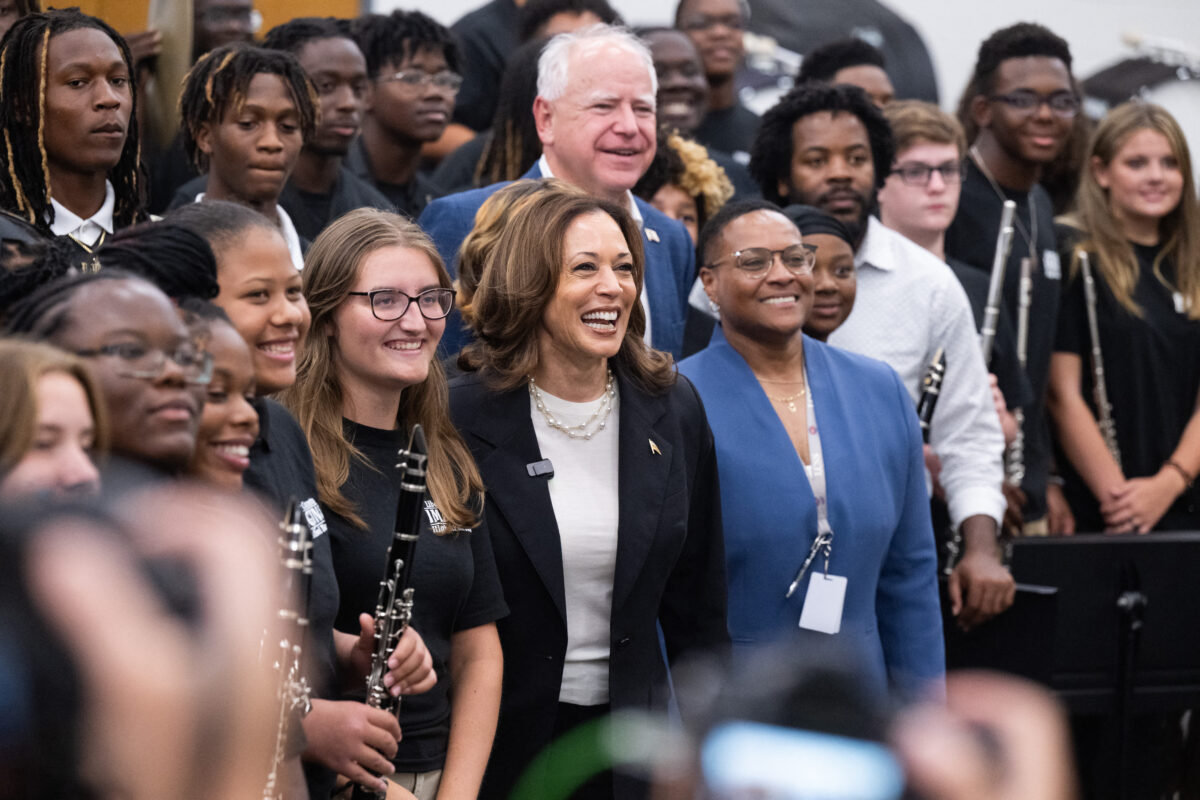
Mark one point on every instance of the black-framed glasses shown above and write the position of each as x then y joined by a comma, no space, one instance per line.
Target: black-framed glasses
1063,103
420,79
389,305
798,258
139,360
917,173
704,22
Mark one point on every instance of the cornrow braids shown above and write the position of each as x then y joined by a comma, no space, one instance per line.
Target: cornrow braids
390,39
173,257
43,262
44,313
218,82
25,181
291,36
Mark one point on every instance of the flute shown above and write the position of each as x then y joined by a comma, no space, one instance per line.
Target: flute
991,312
1014,462
1104,415
292,692
393,609
931,388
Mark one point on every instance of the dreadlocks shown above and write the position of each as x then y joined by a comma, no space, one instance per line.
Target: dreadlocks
513,145
25,180
219,81
174,258
392,38
291,36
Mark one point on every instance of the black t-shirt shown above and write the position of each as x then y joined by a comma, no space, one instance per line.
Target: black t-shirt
311,212
971,239
409,199
731,130
1004,365
486,36
1151,374
456,173
454,578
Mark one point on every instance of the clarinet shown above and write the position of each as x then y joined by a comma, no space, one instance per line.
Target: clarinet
1014,462
292,693
991,312
1104,415
393,610
931,387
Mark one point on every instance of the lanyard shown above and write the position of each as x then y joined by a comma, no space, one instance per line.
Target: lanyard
824,540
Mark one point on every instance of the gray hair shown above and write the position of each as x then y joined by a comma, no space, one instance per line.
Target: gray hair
553,65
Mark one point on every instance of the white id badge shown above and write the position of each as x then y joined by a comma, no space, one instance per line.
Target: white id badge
823,602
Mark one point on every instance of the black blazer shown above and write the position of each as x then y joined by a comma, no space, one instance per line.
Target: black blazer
670,564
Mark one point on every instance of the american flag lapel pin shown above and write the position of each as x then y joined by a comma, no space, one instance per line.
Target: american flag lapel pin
652,234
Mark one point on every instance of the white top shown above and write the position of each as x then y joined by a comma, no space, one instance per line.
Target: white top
290,236
86,231
636,213
908,305
583,493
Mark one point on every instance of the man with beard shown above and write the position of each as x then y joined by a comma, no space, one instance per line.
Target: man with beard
830,147
1018,111
321,188
412,63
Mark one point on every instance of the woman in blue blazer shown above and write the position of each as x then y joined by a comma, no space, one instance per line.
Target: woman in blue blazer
786,409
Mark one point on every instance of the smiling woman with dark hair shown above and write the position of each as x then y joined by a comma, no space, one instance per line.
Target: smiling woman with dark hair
805,542
601,481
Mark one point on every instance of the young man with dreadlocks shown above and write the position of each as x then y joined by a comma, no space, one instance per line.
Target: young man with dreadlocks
412,63
70,140
246,112
321,188
1018,111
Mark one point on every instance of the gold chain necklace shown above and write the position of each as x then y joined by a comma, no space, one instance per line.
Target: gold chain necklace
790,401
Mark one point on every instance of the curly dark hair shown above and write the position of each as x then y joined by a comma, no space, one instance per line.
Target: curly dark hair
1016,41
292,35
536,13
25,180
771,155
825,62
391,38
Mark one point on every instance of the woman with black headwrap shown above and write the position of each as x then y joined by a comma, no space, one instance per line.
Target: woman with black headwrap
834,280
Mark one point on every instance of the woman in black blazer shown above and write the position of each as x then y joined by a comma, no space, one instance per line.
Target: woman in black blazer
602,494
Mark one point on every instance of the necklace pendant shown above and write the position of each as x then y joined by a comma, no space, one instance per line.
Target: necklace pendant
792,407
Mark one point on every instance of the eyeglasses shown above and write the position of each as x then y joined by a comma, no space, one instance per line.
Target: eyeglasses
389,305
798,258
916,173
149,363
420,79
704,22
1063,103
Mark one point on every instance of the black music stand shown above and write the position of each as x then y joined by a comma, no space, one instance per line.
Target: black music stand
1128,624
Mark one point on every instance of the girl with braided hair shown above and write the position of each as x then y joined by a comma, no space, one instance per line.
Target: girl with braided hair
67,104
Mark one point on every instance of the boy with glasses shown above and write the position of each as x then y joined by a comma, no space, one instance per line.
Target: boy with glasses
1018,111
412,66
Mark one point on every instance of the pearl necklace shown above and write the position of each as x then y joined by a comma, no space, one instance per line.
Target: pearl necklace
584,430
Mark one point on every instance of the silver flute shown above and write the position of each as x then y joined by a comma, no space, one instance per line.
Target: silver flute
292,690
991,312
1014,462
1104,415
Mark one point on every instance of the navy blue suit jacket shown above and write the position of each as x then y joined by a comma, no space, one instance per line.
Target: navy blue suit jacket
670,262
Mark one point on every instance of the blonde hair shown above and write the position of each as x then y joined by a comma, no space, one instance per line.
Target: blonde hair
520,280
316,399
490,221
1179,231
22,364
702,177
915,121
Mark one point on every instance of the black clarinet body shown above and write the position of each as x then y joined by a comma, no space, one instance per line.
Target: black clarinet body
393,609
931,389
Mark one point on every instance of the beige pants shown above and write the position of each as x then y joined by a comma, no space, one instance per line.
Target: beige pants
422,784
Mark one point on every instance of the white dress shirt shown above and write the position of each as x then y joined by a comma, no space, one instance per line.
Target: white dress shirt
636,213
85,231
908,305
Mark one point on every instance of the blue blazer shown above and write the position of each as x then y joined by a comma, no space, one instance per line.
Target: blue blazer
878,509
670,262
